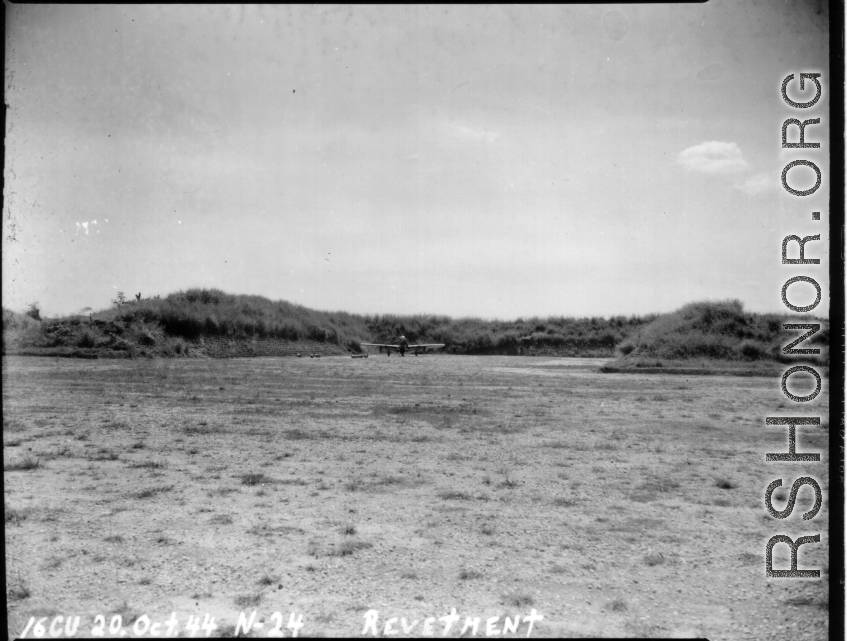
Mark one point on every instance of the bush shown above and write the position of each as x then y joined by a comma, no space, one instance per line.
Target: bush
86,339
752,350
627,347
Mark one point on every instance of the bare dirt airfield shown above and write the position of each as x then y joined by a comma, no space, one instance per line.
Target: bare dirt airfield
612,504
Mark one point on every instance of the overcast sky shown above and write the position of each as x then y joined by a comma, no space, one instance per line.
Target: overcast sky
471,161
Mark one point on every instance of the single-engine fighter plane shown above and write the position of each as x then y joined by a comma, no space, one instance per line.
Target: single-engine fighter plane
403,346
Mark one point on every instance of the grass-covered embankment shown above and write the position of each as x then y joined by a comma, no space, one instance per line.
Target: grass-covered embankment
707,337
214,323
209,322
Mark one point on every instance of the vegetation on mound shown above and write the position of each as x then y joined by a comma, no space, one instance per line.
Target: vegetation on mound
714,331
564,336
172,326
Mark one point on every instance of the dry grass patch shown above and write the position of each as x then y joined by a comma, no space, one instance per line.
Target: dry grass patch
454,495
221,519
26,463
348,546
154,465
255,478
467,575
246,601
725,483
519,600
152,491
654,488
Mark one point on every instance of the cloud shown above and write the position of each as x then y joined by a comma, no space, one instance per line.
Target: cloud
713,158
480,135
759,184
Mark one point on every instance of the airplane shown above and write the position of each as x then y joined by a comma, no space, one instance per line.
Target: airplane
403,345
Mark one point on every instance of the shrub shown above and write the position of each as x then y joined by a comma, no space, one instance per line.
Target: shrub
627,347
86,339
752,350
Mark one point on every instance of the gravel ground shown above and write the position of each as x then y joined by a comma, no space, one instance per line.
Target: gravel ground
610,504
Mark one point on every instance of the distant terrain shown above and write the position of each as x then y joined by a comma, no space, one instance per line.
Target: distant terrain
212,323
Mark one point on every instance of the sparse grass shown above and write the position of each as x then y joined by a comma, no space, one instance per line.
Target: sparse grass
202,428
245,601
255,478
454,495
152,491
14,515
800,600
508,482
104,455
18,590
221,519
127,614
268,579
654,488
564,501
468,575
528,516
348,546
520,600
154,465
225,631
724,483
221,491
26,463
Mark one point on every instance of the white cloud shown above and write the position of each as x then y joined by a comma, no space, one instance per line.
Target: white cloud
481,135
713,158
759,184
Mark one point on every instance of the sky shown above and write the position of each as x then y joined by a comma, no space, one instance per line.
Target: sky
496,162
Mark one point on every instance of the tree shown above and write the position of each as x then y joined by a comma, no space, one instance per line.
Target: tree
119,300
34,311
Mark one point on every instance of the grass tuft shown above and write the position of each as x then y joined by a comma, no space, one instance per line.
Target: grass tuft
26,463
725,483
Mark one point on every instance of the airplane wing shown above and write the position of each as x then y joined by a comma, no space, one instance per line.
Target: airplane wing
379,345
427,345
